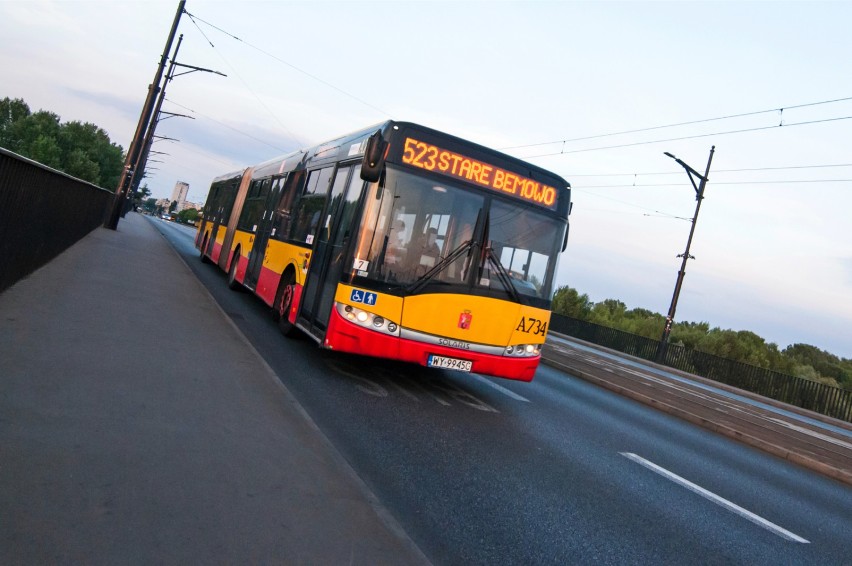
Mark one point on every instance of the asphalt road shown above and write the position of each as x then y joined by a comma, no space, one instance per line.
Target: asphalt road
557,471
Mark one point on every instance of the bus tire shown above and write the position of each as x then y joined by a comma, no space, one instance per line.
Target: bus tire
283,301
233,284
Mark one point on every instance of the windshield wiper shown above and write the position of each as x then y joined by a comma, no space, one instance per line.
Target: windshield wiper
504,276
441,266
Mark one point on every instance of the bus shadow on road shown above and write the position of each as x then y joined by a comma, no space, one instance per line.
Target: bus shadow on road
385,379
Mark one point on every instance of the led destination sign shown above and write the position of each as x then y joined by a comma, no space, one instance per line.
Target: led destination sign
433,158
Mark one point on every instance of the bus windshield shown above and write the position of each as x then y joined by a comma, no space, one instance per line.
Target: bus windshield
417,233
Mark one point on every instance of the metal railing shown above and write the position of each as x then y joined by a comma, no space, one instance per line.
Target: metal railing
805,393
42,213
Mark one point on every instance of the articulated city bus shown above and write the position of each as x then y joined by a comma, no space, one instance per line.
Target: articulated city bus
399,242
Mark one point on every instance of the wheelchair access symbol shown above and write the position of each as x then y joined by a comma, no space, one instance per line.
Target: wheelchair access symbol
364,297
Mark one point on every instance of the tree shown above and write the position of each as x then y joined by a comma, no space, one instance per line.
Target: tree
140,197
801,360
689,334
10,112
568,302
742,346
78,164
96,156
188,216
35,136
827,365
644,323
609,312
81,150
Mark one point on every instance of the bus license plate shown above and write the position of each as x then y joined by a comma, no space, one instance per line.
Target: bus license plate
449,363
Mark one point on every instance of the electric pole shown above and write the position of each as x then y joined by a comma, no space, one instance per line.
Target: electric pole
135,149
699,196
141,163
142,160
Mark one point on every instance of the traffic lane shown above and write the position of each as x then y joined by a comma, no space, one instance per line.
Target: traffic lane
464,468
800,500
817,448
446,450
474,474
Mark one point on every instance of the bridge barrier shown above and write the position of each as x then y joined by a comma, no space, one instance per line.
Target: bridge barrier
805,393
42,213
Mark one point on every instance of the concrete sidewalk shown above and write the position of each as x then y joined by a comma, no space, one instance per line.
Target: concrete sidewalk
137,425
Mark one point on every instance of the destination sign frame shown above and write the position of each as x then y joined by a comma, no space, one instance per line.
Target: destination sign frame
430,157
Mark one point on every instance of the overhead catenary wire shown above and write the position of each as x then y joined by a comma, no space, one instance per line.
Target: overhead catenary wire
785,181
689,123
748,169
633,144
661,213
188,109
245,84
283,62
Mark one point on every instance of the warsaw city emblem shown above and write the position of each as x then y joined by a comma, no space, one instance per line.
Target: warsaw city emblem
464,320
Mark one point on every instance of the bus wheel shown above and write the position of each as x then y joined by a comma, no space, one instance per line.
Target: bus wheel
233,284
283,302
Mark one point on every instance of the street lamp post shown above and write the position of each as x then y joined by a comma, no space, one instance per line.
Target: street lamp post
699,196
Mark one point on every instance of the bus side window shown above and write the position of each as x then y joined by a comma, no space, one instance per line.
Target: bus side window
283,215
307,211
253,207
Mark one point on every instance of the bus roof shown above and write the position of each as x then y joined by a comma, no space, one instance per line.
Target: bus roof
475,161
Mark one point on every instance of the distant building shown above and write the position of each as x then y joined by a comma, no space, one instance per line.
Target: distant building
179,194
188,205
179,198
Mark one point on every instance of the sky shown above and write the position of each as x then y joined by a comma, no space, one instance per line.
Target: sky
597,92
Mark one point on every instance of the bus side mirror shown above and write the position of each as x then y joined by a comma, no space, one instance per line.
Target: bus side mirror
374,157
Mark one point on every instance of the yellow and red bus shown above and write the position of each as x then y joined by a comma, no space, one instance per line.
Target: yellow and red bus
399,242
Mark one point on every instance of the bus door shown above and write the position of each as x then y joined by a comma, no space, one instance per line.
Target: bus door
328,262
270,191
220,210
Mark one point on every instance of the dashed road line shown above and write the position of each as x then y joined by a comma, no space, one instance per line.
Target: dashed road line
733,507
499,388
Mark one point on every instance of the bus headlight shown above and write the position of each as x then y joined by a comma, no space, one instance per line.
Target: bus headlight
523,350
367,319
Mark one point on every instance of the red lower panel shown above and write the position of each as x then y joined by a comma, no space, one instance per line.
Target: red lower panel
242,266
343,336
217,250
267,285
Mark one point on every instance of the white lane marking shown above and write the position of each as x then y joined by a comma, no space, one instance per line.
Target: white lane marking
803,430
744,513
500,388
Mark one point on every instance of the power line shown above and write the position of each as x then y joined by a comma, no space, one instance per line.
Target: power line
229,127
282,61
563,152
632,205
573,175
653,185
781,110
245,84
